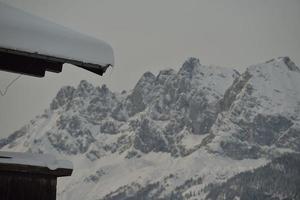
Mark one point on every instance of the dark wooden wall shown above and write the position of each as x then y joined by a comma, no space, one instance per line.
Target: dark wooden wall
21,186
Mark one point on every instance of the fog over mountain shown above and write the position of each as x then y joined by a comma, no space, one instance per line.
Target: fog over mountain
197,133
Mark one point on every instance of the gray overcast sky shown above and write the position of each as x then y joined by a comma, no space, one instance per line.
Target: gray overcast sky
152,35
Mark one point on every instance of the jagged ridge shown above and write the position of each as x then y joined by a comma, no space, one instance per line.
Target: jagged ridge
169,129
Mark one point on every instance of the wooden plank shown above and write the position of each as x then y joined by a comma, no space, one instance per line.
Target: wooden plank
20,186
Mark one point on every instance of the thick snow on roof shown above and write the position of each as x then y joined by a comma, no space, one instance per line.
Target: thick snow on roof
38,160
24,32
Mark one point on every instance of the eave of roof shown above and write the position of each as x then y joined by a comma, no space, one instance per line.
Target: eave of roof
24,34
31,163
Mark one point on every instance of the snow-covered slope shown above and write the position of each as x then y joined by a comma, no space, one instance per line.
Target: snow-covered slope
172,135
260,112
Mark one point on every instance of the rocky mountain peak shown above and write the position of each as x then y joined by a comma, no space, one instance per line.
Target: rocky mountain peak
290,64
284,62
192,61
163,75
103,90
260,108
146,77
84,88
146,81
64,95
189,66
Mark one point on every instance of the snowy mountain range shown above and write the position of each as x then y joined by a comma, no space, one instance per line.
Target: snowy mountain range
188,134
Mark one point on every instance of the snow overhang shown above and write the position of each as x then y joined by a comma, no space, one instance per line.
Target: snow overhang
34,163
32,45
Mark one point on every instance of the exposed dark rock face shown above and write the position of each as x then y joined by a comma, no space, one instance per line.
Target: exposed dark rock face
63,97
268,129
290,139
234,90
239,150
71,143
136,101
149,138
109,127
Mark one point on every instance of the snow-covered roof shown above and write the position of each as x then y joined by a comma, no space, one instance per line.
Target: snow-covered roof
34,160
24,32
